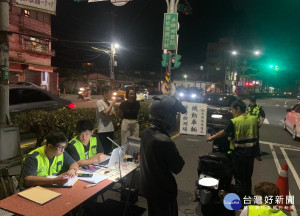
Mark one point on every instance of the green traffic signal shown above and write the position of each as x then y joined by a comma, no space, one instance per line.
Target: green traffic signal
165,60
177,62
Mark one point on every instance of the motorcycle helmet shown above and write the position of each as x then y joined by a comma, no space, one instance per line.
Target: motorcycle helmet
163,110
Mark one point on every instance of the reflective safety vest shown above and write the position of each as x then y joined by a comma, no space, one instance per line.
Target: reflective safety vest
43,165
80,148
245,128
263,210
254,112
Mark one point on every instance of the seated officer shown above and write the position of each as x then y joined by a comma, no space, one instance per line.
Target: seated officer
50,159
86,148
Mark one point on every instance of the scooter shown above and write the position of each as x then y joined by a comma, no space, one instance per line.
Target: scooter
215,173
84,94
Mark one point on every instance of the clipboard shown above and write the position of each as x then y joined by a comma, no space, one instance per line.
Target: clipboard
39,195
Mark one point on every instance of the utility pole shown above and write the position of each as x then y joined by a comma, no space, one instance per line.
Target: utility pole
112,64
4,61
171,9
9,134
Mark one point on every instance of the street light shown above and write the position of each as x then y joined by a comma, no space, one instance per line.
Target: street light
234,52
185,76
256,52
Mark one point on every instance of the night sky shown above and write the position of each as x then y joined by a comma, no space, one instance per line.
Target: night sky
270,25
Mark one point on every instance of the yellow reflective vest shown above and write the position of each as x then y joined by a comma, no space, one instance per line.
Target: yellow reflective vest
43,165
245,128
254,112
80,148
264,210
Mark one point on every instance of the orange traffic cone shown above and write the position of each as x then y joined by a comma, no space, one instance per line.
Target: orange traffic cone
283,185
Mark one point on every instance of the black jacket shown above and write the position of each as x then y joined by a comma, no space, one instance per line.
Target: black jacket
159,160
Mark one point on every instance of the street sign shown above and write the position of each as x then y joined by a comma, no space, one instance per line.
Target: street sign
170,31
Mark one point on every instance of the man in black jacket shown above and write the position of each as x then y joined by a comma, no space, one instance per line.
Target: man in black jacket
160,157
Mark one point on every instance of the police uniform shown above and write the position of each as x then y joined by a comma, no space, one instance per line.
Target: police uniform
243,130
38,164
258,112
81,152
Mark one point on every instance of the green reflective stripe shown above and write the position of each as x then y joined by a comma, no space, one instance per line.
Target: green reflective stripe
244,144
263,210
80,148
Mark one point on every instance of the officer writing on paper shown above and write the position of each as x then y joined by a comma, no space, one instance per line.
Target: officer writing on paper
160,158
243,130
86,148
47,160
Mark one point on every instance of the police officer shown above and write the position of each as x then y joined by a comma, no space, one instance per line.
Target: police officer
160,158
50,159
259,113
243,130
86,148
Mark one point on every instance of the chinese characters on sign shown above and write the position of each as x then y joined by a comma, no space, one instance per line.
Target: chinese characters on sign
277,201
47,6
194,121
170,31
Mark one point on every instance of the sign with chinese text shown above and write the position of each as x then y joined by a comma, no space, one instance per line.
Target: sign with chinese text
47,6
194,121
170,31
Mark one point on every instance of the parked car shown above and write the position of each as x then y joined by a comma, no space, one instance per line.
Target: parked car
29,84
292,121
191,94
218,110
28,98
298,98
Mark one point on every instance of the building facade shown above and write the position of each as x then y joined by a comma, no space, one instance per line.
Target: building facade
30,50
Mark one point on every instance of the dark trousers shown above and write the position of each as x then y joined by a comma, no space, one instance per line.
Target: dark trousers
243,170
162,208
106,143
257,147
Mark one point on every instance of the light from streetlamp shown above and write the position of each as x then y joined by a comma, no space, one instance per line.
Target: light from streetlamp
116,45
256,52
234,52
185,76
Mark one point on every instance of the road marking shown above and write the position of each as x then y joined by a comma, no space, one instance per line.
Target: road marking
266,121
294,212
291,167
194,140
280,145
277,105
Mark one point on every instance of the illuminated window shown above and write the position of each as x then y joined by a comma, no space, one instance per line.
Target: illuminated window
27,13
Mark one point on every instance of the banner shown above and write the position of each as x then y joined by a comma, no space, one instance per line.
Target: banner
194,121
47,6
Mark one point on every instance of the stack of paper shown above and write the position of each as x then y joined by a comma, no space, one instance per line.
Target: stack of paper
69,183
95,179
39,195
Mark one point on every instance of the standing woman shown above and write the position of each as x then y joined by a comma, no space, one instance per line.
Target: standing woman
128,111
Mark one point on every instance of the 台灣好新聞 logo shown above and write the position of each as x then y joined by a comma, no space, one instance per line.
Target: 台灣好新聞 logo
232,201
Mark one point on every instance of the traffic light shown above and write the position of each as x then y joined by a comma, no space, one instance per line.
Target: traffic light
165,60
177,62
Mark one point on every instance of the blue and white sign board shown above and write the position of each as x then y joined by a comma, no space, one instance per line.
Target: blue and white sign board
194,121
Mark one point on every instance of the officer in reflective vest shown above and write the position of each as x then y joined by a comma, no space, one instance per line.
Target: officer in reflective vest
86,148
259,113
243,130
264,191
47,160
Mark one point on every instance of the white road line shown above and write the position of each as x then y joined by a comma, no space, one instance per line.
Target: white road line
280,145
194,140
294,212
291,167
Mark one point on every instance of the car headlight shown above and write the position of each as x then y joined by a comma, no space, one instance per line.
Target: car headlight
181,94
216,116
115,93
193,95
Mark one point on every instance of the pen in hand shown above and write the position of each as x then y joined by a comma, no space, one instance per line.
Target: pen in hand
89,185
